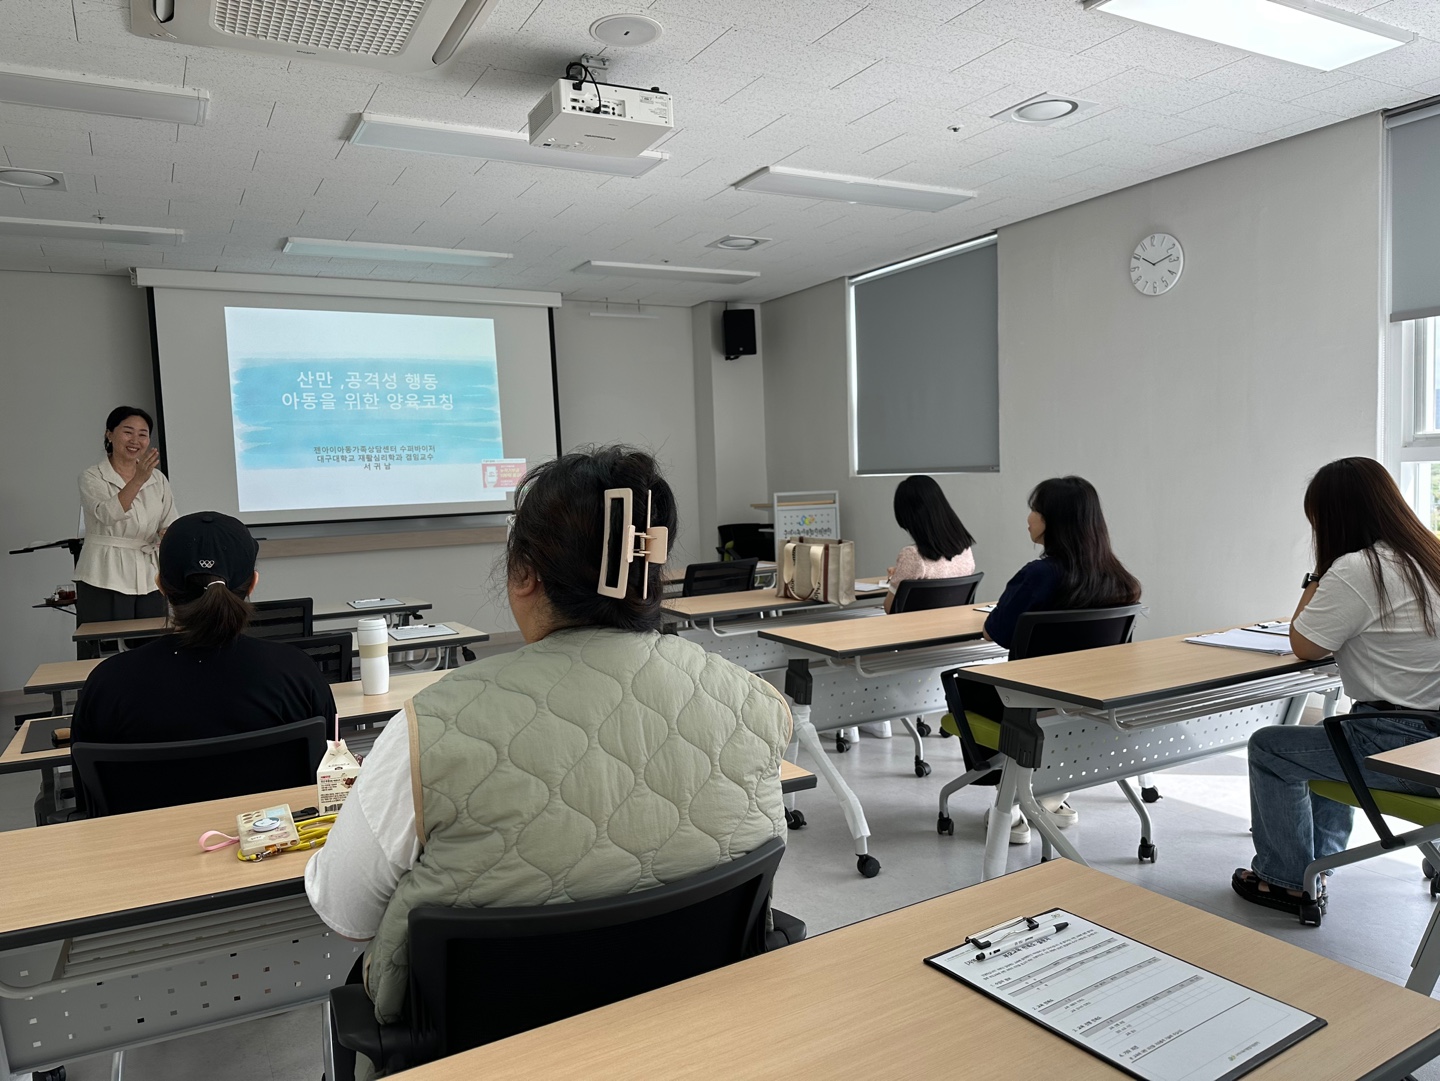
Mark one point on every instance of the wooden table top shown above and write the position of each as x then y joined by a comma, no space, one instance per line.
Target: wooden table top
744,602
133,862
460,635
782,1011
352,704
1418,762
60,675
795,778
13,761
881,633
342,610
1135,672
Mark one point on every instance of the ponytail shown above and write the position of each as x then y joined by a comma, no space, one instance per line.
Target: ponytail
208,614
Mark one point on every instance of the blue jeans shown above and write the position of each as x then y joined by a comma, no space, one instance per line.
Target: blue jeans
1292,827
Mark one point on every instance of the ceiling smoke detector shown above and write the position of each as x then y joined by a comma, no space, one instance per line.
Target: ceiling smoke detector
1045,109
33,178
738,243
626,30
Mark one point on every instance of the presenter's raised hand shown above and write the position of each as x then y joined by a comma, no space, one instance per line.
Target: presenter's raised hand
145,465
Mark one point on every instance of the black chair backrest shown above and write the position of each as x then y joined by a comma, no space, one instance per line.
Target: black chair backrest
293,618
561,960
922,594
333,654
747,540
122,777
1040,634
702,579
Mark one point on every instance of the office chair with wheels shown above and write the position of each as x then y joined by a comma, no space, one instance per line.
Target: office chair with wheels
333,654
1037,634
1422,811
481,974
730,576
293,618
926,594
117,778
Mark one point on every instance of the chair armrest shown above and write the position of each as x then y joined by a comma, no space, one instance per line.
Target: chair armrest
1353,769
788,930
352,1019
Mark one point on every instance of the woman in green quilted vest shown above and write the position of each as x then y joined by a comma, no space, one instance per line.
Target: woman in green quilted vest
598,759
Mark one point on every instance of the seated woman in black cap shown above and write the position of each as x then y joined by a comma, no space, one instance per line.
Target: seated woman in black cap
207,678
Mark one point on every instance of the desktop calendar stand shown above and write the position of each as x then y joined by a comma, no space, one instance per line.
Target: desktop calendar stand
805,514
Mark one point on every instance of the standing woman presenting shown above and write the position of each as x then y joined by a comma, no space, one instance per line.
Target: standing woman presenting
128,506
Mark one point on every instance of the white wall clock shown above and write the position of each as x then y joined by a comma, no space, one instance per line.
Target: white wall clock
1156,264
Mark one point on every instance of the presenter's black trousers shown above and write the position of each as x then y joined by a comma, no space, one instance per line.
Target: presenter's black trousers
96,605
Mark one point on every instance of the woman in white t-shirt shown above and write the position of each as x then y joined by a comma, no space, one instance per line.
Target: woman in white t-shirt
1373,602
942,543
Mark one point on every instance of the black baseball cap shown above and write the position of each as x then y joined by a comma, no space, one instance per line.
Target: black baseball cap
208,543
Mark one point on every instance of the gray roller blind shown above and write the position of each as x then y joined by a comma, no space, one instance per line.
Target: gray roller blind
1415,219
927,366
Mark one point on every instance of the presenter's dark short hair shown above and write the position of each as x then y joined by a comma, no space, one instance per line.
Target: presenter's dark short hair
124,412
559,534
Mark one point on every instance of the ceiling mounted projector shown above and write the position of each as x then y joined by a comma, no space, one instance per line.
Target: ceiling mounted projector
591,117
392,35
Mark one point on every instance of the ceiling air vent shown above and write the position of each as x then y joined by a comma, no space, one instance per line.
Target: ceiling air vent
393,35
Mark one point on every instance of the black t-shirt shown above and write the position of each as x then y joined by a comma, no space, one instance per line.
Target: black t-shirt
160,692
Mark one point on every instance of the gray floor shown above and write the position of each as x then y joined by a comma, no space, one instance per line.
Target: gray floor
1376,914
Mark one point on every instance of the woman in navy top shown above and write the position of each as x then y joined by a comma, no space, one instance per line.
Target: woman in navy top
1077,569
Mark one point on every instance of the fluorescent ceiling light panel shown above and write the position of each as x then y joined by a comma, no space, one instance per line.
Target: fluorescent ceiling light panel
390,253
91,230
102,95
1300,31
777,180
460,140
665,270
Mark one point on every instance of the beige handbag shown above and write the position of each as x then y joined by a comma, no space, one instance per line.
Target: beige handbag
817,569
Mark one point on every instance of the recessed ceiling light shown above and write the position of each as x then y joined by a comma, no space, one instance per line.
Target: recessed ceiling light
1300,31
390,253
626,30
1045,109
104,96
778,180
460,140
33,178
738,243
665,270
90,230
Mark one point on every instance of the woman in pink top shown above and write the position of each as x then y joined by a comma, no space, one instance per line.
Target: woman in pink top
942,543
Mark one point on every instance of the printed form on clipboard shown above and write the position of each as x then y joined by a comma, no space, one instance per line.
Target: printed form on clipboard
1152,1015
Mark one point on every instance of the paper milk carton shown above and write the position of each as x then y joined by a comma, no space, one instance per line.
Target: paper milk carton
337,772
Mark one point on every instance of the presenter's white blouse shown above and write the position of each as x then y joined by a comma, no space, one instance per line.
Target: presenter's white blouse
120,545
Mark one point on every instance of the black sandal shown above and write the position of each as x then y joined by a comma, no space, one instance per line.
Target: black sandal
1246,883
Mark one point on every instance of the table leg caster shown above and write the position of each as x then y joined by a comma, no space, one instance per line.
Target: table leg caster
945,826
841,743
1311,915
1150,795
922,767
868,866
57,1074
1148,852
922,728
794,820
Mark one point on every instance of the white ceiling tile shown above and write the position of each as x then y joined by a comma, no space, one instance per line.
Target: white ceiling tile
1266,77
1061,73
1068,28
1136,125
1036,138
1356,96
1139,156
1410,65
745,51
1161,51
1152,92
28,141
879,35
1419,16
1248,113
1217,142
798,20
44,21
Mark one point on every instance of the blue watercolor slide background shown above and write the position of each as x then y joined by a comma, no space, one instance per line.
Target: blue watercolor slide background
279,352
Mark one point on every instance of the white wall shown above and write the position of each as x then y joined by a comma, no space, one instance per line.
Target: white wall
74,347
729,430
1199,415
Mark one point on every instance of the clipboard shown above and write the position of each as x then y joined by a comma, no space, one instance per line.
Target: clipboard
1147,1013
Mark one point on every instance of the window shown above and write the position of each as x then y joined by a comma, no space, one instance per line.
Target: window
925,364
1419,451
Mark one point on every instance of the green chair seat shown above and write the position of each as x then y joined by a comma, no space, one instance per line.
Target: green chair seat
985,731
1421,810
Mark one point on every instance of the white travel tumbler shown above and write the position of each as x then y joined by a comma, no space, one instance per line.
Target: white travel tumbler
374,657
